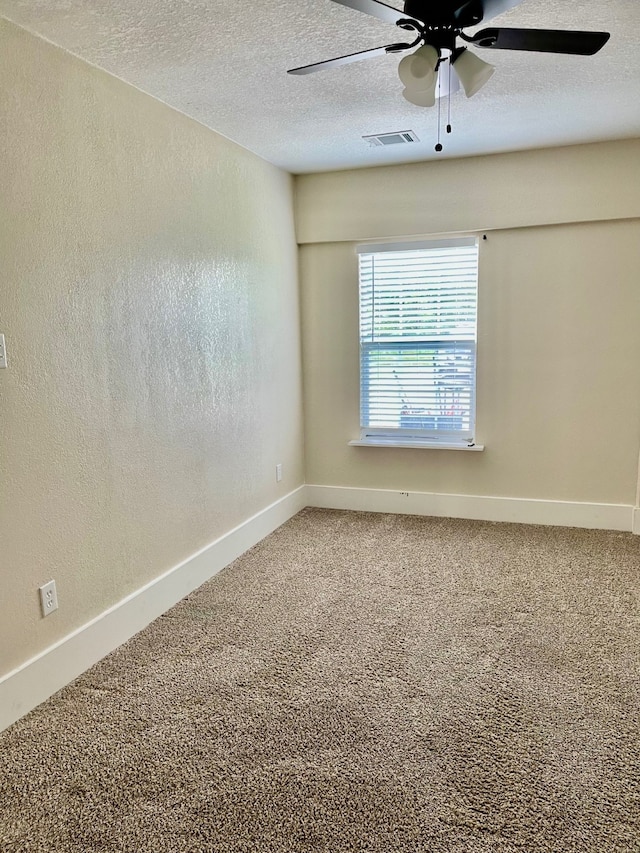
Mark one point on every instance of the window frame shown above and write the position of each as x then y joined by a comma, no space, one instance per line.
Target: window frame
418,436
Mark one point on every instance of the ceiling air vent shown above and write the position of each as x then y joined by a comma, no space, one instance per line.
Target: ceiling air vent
397,138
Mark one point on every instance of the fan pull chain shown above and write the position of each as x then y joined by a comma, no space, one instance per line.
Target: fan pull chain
449,98
438,144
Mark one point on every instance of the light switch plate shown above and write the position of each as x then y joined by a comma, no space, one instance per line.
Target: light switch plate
3,352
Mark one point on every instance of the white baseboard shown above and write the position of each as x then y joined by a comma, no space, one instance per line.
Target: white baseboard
45,674
521,510
39,678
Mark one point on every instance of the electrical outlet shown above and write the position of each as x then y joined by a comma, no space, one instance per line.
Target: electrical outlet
278,472
48,598
3,352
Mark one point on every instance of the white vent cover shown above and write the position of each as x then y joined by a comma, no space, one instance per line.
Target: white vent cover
399,137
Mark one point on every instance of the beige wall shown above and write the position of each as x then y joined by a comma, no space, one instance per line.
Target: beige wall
149,301
148,295
559,313
579,183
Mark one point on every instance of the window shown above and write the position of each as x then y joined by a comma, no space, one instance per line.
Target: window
418,342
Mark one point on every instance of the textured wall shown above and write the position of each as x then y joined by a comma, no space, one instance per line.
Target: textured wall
149,301
558,354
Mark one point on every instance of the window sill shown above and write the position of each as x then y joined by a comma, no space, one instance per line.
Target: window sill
421,445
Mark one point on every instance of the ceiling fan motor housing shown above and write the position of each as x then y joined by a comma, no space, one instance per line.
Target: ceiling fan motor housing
439,23
446,14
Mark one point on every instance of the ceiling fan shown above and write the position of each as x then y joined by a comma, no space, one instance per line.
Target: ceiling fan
437,24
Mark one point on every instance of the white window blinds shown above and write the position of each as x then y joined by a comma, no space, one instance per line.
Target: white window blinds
418,340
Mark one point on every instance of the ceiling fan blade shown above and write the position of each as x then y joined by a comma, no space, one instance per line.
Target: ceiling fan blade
545,41
377,9
350,57
491,8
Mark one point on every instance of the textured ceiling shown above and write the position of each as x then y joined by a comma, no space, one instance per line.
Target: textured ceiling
225,64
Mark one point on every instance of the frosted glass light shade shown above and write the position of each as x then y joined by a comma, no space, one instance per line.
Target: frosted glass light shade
472,71
423,98
418,70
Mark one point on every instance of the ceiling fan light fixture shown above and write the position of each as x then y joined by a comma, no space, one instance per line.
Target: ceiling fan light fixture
418,70
422,98
472,71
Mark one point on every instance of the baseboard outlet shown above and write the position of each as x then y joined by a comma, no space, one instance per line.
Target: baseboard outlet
520,510
39,678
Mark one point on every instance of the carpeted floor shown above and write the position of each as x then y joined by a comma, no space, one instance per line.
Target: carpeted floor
357,682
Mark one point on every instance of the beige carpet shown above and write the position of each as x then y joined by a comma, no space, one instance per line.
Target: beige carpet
357,682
